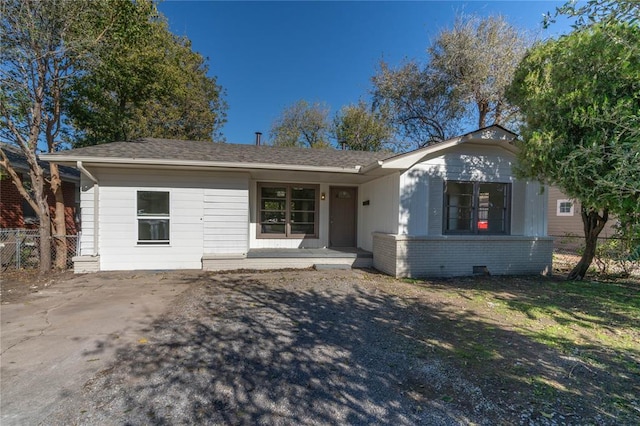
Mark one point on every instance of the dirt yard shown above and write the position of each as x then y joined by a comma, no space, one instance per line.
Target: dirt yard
16,285
357,347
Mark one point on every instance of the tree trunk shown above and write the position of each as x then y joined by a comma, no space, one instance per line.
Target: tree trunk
497,119
58,222
45,235
483,110
40,198
593,224
45,246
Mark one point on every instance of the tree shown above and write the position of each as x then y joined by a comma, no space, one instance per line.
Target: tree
64,62
477,59
361,129
416,104
193,108
469,69
42,43
302,124
145,81
580,96
593,11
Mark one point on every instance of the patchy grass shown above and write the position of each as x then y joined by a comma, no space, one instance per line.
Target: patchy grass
500,350
565,351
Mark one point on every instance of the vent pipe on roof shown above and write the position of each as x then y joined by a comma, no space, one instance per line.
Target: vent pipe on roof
258,135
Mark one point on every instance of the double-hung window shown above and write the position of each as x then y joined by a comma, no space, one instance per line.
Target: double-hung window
287,210
153,218
476,207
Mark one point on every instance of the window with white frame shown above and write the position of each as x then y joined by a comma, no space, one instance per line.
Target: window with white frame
564,208
153,217
476,207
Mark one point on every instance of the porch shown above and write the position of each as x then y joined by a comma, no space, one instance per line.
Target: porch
298,258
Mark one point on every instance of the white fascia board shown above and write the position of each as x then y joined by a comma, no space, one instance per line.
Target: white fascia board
494,132
404,161
508,147
372,166
123,162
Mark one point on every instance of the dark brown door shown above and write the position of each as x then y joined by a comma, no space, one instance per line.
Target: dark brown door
342,216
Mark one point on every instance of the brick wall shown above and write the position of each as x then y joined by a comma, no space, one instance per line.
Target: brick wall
69,194
11,206
384,253
457,256
86,264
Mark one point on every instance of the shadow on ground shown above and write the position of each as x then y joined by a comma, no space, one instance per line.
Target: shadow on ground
237,349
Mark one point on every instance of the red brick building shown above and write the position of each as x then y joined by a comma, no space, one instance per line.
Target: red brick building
15,212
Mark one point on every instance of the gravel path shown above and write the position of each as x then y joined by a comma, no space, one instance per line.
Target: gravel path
294,347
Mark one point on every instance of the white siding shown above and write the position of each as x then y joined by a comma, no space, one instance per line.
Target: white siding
87,211
191,232
518,207
381,215
422,187
535,217
436,204
471,163
226,217
414,202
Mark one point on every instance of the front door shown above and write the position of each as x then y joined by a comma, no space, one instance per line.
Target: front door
342,214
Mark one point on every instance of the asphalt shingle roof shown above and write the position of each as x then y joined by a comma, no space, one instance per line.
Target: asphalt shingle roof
20,163
170,149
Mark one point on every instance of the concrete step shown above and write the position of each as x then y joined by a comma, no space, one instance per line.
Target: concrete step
327,266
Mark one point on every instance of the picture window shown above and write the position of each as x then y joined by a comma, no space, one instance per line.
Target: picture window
476,207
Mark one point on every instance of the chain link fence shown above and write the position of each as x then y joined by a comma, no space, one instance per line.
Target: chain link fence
20,249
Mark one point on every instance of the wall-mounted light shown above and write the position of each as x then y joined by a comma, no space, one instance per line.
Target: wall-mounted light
322,196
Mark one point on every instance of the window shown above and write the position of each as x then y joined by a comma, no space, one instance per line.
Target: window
564,208
476,208
28,213
287,211
153,217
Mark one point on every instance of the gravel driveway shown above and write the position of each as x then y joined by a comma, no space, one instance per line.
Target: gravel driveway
287,347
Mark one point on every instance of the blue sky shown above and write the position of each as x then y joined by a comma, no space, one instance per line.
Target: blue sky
268,55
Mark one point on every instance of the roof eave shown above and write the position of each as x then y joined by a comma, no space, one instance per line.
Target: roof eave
405,161
116,162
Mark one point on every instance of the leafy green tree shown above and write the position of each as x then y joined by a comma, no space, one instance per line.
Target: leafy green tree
66,63
580,96
596,11
43,43
302,124
193,108
360,129
145,81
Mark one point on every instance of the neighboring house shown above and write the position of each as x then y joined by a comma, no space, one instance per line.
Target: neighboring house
16,212
450,209
565,221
